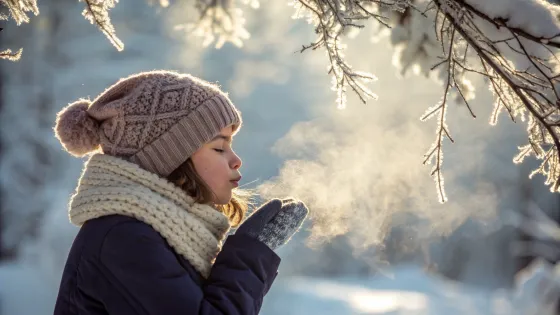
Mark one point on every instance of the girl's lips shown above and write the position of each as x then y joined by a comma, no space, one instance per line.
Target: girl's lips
235,181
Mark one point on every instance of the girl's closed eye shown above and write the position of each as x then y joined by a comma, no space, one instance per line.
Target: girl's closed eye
219,150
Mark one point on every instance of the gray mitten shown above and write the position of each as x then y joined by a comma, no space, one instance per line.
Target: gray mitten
275,222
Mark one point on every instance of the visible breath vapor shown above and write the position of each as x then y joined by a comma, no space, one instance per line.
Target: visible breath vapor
360,169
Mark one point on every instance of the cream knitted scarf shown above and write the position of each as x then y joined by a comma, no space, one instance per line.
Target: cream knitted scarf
110,185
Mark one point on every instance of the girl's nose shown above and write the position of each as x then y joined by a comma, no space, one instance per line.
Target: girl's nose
236,162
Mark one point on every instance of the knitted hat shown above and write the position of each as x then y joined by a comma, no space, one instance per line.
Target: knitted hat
155,119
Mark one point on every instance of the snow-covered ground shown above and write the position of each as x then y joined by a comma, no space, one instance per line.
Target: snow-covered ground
23,290
407,291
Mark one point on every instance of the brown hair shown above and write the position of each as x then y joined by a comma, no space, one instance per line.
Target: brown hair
186,177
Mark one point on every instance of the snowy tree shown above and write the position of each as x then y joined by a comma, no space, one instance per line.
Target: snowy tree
493,39
538,284
37,176
512,43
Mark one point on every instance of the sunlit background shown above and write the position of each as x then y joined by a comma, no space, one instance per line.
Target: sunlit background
377,242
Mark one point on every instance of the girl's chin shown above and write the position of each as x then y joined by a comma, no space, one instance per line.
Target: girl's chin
223,201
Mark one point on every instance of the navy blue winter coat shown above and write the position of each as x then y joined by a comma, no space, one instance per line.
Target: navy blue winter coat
121,266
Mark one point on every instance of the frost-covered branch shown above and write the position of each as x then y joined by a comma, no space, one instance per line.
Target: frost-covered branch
537,284
544,234
19,8
332,19
9,55
219,21
97,13
521,63
513,44
436,151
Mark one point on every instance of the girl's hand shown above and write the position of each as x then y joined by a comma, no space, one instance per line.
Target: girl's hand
275,222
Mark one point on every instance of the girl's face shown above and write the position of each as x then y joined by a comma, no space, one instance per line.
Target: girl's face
217,164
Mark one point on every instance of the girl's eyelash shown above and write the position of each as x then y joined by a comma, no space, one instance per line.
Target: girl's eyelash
219,150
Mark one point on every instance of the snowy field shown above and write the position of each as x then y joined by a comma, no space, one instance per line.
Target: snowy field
407,291
410,292
26,292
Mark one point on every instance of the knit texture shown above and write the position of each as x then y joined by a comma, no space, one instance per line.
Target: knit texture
110,185
275,222
155,119
284,225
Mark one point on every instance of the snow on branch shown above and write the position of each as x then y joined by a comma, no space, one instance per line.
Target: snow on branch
219,21
9,55
538,285
537,289
162,3
97,13
18,9
543,231
333,19
513,44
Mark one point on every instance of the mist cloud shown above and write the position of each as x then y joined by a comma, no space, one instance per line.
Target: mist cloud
360,169
357,169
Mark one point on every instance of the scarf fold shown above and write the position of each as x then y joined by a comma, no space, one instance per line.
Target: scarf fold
110,185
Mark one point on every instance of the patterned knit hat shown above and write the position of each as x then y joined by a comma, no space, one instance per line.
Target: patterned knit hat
155,119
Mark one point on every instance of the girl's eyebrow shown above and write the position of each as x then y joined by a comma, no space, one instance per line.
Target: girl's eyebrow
226,138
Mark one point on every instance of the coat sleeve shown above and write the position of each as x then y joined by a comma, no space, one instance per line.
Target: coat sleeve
141,266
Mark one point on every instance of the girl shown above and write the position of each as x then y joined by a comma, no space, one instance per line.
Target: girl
155,200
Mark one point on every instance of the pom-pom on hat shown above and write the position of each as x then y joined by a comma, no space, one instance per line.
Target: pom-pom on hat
155,119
